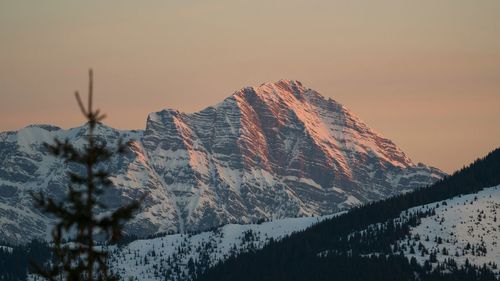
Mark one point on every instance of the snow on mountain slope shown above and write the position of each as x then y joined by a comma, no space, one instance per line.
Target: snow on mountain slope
463,228
273,151
177,256
27,166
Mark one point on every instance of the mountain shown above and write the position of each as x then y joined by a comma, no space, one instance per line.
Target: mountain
273,151
447,231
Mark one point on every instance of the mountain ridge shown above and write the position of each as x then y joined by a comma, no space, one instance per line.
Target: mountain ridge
273,151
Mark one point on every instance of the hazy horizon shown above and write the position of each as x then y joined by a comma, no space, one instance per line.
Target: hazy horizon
424,74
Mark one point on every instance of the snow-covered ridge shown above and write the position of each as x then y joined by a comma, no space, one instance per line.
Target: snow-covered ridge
273,151
463,228
176,257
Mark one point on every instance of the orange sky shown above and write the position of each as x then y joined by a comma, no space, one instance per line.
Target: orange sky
425,74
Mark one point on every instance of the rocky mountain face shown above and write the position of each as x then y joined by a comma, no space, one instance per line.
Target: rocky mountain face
273,151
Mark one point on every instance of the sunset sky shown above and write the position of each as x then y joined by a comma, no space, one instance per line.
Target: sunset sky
425,74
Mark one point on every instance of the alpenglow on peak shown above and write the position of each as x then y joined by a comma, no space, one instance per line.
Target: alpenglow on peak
270,151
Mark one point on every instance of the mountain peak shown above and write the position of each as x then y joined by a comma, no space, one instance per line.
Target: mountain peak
275,150
337,132
282,88
286,83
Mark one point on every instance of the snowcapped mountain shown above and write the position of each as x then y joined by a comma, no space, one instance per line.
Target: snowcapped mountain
273,151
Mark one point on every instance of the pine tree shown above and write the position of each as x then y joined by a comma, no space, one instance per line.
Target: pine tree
76,215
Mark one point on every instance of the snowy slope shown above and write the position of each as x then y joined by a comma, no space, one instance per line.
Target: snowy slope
272,151
27,166
169,256
466,227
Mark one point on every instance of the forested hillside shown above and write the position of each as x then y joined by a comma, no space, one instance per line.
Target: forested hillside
15,261
331,250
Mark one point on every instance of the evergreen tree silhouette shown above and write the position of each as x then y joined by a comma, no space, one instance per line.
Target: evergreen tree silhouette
77,220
